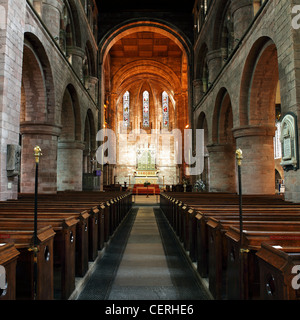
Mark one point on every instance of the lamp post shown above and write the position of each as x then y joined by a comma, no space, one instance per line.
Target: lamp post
37,154
239,158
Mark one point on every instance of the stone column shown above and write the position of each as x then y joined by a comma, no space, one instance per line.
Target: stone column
69,165
198,91
242,12
91,85
51,14
222,168
214,62
258,165
76,56
46,137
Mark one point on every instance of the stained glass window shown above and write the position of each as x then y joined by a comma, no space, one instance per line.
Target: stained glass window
146,121
126,109
165,109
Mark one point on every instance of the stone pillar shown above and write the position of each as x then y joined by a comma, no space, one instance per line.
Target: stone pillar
91,84
222,168
69,165
198,91
51,15
214,62
258,165
45,136
12,22
242,12
76,56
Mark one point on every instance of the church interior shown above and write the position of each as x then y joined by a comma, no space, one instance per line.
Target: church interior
149,129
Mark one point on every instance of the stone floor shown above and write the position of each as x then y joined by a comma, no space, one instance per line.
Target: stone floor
143,261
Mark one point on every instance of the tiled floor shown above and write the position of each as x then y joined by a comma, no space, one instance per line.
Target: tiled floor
143,261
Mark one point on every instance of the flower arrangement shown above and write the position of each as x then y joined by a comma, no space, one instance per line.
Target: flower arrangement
146,184
199,185
185,180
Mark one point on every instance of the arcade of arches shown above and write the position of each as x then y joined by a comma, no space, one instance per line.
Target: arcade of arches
231,72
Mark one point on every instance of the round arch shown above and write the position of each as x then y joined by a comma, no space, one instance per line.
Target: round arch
70,115
131,27
259,83
222,119
36,65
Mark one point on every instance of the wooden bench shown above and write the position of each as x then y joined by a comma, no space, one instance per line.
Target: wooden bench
63,249
119,205
252,239
98,216
201,221
276,262
190,224
217,245
81,234
8,259
22,238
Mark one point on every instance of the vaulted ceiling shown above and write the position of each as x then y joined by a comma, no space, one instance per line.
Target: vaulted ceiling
145,45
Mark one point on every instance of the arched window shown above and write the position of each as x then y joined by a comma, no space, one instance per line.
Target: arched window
146,121
165,109
126,105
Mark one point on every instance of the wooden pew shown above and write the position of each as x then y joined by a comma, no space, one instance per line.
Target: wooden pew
8,259
252,238
65,205
81,240
73,202
217,245
119,204
22,238
225,208
276,262
172,209
63,249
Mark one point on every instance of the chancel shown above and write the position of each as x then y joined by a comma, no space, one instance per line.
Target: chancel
198,196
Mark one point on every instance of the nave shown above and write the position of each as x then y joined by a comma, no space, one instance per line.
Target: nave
143,261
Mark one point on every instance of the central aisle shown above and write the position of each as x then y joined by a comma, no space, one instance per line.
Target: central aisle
144,261
143,272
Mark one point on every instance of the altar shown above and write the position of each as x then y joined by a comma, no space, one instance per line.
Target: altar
146,170
142,176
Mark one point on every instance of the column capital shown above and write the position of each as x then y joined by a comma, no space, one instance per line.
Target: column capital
247,131
76,51
214,54
219,147
40,128
237,4
70,144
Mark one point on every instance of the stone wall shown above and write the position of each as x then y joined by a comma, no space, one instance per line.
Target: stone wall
34,110
265,52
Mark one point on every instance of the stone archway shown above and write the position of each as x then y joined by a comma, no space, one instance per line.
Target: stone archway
37,118
205,175
222,150
69,155
257,118
146,56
